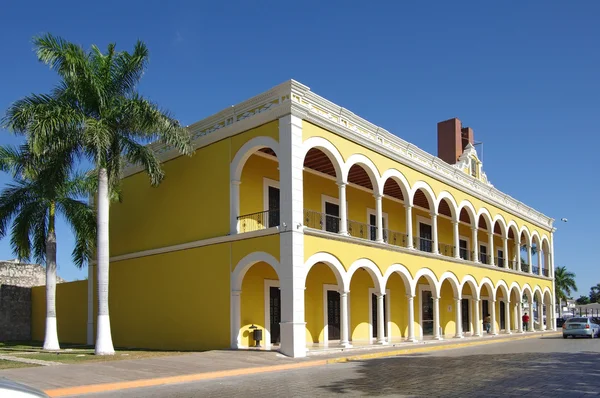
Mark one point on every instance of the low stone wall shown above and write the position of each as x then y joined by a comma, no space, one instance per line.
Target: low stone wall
15,313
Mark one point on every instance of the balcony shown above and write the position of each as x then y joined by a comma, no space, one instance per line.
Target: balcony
257,221
524,268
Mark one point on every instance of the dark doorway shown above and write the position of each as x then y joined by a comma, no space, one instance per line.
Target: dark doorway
464,315
275,311
374,312
333,315
464,252
484,309
427,311
502,315
425,235
273,207
332,217
483,257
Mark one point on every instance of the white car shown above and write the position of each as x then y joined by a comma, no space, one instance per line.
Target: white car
12,389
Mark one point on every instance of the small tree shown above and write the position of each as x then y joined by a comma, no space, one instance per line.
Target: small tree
583,300
564,283
595,294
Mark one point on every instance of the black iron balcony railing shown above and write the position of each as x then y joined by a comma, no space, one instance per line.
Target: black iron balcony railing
317,220
260,220
524,267
395,238
465,254
361,230
535,269
423,244
446,250
500,262
545,272
484,258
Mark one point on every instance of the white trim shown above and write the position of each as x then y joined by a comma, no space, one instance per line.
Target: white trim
267,296
267,182
388,327
421,289
335,288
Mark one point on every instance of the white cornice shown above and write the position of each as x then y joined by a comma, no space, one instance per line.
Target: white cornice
296,98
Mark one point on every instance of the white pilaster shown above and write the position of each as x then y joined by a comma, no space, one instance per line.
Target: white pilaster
475,245
343,209
541,311
409,229
380,319
291,237
491,247
344,321
477,321
379,218
434,232
539,260
493,329
529,261
90,306
411,318
436,319
235,318
457,308
518,255
507,317
234,201
456,236
519,317
505,251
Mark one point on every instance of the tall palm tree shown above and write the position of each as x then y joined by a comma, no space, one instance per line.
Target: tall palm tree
42,188
564,284
96,111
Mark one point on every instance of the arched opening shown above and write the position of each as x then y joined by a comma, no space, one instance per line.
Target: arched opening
500,244
449,293
549,319
516,309
486,302
545,255
536,262
446,216
395,194
539,317
528,310
427,307
425,229
321,191
485,241
397,287
503,309
369,305
465,229
525,251
362,215
258,185
467,310
514,248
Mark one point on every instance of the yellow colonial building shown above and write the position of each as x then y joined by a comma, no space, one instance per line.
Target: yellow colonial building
322,229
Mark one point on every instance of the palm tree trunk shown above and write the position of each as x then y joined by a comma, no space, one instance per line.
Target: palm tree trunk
51,335
104,345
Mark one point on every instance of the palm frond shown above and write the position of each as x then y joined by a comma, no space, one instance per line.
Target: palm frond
82,219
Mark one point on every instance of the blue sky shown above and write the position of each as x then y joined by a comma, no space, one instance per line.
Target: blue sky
524,76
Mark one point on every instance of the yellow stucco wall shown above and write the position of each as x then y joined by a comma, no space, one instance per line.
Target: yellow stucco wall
252,301
71,312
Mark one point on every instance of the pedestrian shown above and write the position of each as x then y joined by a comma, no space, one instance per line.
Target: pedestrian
525,322
487,323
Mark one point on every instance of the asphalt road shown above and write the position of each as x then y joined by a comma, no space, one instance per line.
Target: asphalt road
548,366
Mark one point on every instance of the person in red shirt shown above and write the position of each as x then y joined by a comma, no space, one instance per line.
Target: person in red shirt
525,322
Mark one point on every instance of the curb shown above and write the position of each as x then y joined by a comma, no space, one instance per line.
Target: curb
106,387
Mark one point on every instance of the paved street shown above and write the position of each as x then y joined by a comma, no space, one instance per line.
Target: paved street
549,366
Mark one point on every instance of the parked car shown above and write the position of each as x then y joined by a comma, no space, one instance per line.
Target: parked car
580,326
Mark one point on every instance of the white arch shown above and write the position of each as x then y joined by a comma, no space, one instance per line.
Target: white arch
423,186
329,150
468,279
333,263
468,206
404,274
548,293
453,282
488,219
502,285
535,236
237,276
453,206
400,180
367,165
515,228
498,218
537,290
431,278
242,155
527,291
487,282
525,230
515,285
371,268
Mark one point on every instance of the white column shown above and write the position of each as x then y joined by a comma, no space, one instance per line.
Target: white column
344,327
476,320
493,314
291,237
434,232
507,317
529,261
380,319
457,308
539,261
475,245
519,317
553,314
551,260
411,318
90,306
343,209
379,218
541,315
491,247
518,255
235,206
436,319
235,318
456,236
505,251
409,229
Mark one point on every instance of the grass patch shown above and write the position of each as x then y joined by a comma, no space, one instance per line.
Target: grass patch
86,356
4,364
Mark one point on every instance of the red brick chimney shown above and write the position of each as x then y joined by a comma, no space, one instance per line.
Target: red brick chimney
452,139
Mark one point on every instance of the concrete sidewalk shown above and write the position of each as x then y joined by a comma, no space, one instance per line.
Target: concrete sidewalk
78,379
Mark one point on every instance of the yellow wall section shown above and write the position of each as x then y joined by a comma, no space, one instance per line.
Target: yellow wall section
348,148
71,312
253,301
360,301
192,202
255,171
319,275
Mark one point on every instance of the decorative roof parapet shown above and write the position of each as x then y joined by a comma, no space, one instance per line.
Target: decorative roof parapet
297,96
